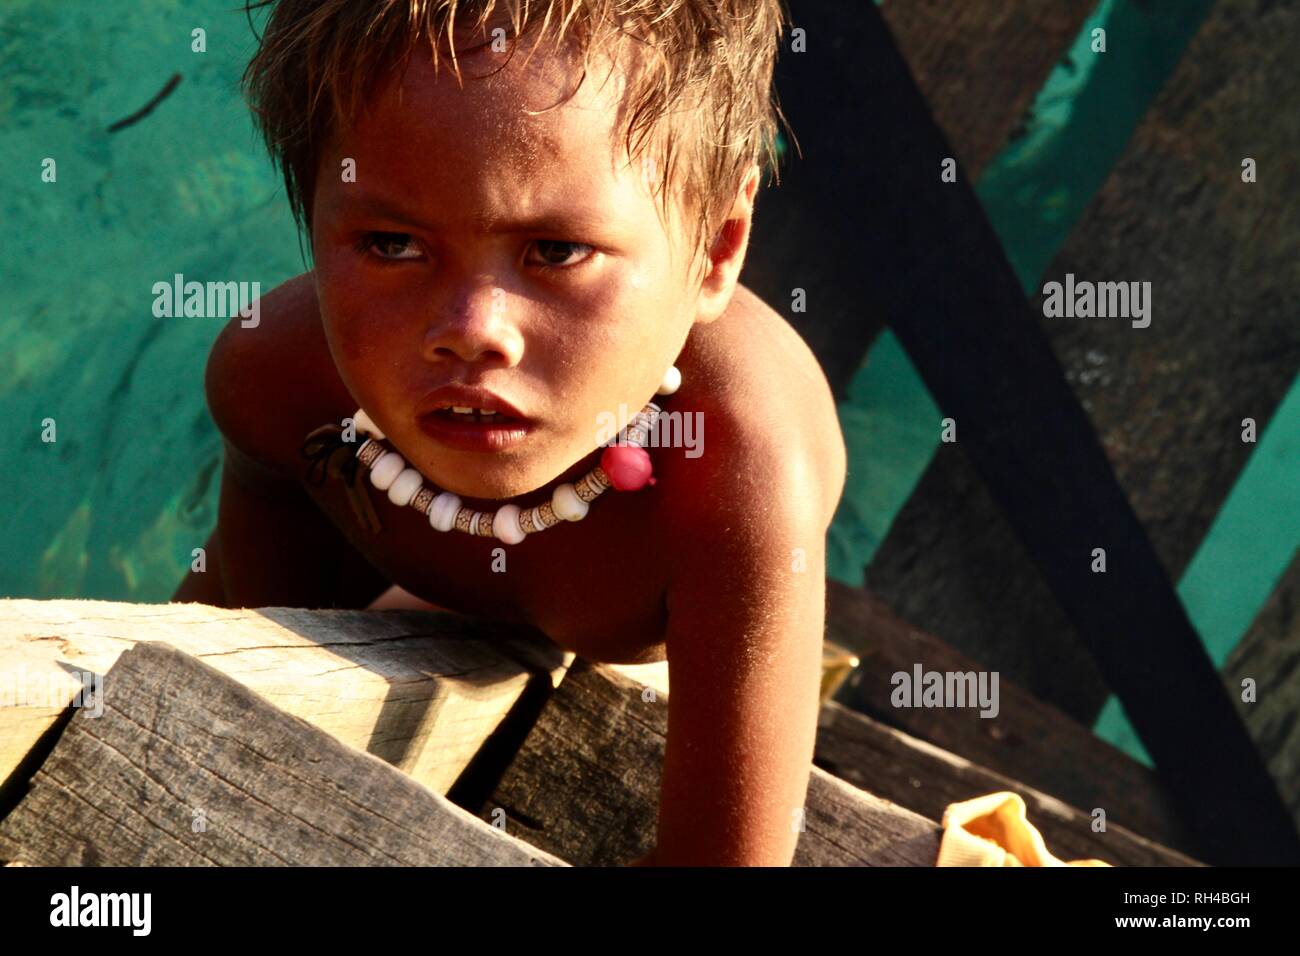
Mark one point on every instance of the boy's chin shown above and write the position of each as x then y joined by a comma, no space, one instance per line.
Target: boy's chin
483,494
486,491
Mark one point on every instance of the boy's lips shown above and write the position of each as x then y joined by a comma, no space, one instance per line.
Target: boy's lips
472,419
468,396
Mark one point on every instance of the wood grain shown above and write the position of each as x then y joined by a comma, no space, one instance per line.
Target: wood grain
187,767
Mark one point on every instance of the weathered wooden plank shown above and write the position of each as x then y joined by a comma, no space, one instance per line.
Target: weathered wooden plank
1028,741
926,779
585,786
388,682
981,63
187,767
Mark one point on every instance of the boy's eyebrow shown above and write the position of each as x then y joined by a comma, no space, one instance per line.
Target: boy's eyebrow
547,222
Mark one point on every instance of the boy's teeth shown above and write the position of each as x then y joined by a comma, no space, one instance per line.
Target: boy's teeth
478,413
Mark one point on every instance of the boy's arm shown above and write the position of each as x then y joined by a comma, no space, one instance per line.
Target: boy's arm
746,618
273,546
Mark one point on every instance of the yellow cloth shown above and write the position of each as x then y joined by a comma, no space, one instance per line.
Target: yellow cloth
992,831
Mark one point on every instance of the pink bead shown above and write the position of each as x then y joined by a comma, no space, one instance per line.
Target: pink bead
627,466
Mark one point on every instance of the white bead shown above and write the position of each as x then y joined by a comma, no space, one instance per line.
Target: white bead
405,486
672,381
386,470
567,504
442,513
367,424
505,524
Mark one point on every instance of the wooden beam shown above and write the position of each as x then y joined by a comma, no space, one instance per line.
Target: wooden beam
926,779
387,682
585,787
1028,740
187,767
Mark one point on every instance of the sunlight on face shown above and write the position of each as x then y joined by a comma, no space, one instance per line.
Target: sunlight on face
483,246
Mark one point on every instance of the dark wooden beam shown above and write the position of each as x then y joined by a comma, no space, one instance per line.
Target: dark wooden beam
1269,654
1167,402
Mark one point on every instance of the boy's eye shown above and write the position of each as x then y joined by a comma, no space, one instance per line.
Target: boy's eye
553,253
558,253
390,245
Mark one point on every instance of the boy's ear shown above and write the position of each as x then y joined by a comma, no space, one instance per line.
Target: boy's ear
726,253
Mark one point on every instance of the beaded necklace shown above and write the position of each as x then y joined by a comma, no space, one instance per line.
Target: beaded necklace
624,466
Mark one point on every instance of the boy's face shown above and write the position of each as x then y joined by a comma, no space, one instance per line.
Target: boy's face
481,246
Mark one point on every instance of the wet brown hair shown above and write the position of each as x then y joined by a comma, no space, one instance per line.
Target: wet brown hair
698,100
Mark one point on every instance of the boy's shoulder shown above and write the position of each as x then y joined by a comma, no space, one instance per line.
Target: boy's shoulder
769,419
269,384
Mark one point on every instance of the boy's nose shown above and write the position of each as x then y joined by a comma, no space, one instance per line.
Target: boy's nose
475,327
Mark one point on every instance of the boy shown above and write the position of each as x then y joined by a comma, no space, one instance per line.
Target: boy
481,216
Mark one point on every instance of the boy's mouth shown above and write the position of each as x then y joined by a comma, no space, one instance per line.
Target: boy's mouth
483,423
467,403
459,414
473,430
467,428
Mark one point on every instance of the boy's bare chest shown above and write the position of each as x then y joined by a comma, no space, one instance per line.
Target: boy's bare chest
595,587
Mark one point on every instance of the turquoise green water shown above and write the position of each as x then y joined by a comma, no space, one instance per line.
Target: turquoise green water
111,508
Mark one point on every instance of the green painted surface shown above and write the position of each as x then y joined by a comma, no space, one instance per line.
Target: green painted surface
891,430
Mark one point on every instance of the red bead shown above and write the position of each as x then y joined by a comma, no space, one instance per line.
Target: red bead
627,466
